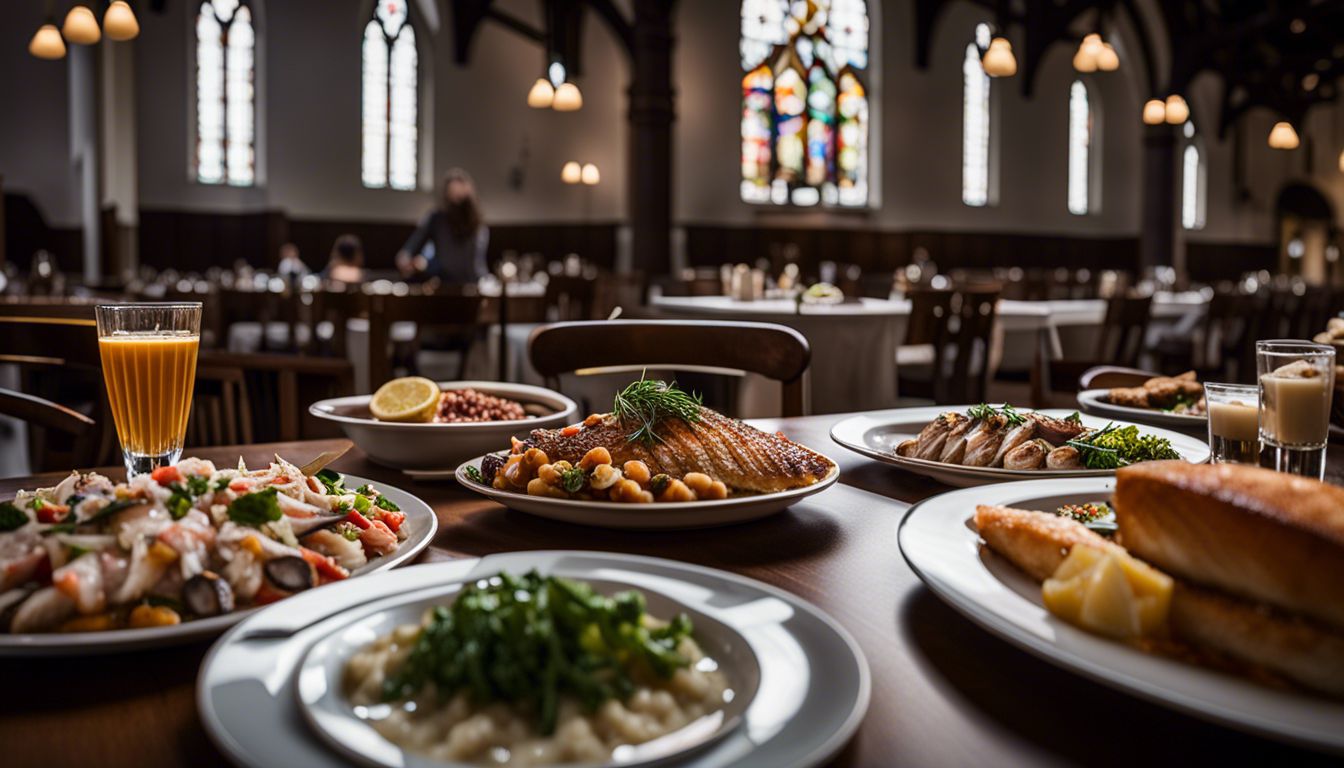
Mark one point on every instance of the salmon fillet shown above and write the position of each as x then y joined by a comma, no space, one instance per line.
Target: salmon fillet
743,457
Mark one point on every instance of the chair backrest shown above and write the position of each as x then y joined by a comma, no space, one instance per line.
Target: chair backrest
1112,376
277,390
977,308
571,296
221,409
59,438
455,308
55,334
1124,329
335,307
1229,322
930,314
774,351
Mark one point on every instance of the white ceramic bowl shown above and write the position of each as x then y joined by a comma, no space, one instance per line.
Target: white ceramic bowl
444,446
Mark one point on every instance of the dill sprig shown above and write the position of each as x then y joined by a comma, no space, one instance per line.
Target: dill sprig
646,402
985,411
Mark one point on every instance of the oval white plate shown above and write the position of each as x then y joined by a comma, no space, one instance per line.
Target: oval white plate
442,446
877,434
939,541
1096,402
421,524
813,693
659,515
330,714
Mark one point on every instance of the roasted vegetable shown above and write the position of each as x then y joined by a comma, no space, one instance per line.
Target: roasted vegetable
206,594
1113,447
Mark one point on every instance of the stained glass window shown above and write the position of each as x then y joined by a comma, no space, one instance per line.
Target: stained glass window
805,103
1080,149
390,125
225,93
975,125
1193,182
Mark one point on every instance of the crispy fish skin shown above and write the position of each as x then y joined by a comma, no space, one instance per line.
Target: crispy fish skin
1036,542
743,457
1251,532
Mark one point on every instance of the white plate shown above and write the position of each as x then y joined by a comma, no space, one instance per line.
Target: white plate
421,524
938,539
659,515
443,446
813,693
877,434
1097,403
322,672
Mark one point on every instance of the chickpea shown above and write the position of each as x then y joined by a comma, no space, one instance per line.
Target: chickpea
638,471
628,491
548,473
593,420
716,490
513,472
534,458
698,482
677,491
153,616
592,458
538,487
604,476
562,466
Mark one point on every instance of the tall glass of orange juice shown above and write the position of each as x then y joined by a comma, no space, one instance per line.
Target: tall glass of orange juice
149,367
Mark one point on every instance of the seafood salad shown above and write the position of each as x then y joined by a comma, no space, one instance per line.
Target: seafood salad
185,542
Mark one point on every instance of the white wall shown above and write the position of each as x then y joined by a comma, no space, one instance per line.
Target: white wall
480,122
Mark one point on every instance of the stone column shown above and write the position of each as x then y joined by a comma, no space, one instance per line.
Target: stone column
651,114
1157,236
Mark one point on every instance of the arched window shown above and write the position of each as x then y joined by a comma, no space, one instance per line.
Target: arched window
1193,182
390,113
805,103
1081,150
225,93
975,125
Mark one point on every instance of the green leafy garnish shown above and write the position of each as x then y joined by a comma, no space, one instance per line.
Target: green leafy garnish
572,479
986,411
530,640
382,502
474,474
256,509
179,504
646,402
331,480
362,504
366,490
11,517
198,485
37,504
1074,418
1113,447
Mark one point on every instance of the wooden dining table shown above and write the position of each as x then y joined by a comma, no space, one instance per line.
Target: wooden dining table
944,692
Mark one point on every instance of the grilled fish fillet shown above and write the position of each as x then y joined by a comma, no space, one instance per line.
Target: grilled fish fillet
1302,650
1251,532
743,457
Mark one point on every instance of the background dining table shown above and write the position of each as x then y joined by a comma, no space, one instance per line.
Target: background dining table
945,692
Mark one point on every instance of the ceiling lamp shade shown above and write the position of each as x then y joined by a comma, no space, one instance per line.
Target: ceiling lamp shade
590,175
119,23
1108,60
999,60
47,43
1154,112
1282,136
1085,60
571,173
542,95
1177,110
81,28
568,98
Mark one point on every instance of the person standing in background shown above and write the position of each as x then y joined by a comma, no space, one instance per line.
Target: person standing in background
454,231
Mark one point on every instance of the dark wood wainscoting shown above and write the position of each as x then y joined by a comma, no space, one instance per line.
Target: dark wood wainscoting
1211,262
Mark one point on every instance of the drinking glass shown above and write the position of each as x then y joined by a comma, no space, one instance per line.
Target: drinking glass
1234,422
149,366
1296,381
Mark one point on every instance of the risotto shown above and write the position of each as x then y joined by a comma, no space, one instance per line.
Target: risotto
545,723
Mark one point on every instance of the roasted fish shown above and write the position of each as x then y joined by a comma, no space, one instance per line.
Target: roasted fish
743,457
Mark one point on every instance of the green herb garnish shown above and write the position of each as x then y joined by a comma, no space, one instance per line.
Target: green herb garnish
1097,516
646,402
331,480
11,517
1074,418
474,475
572,479
256,509
384,503
1113,447
179,504
530,640
362,504
986,411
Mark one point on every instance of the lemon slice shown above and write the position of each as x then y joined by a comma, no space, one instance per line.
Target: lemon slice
413,398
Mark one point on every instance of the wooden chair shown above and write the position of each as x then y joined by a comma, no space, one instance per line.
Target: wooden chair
59,438
1220,349
450,312
1112,376
276,391
928,334
571,297
221,411
773,351
977,309
1123,331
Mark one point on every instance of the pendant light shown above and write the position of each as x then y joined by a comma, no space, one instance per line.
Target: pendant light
119,23
47,43
572,173
1154,112
1085,60
1177,110
998,60
590,175
1282,136
81,27
1108,60
568,98
542,94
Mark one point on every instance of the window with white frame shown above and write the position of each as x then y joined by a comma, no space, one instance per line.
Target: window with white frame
1194,186
390,126
225,94
1081,149
975,124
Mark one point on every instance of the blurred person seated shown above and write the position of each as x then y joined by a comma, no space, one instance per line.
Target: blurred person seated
451,241
346,264
291,267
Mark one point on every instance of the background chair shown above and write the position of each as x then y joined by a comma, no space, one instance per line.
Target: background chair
455,314
1120,343
773,351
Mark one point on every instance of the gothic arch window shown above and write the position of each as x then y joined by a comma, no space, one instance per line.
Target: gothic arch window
1083,151
1194,181
390,125
975,126
805,102
226,149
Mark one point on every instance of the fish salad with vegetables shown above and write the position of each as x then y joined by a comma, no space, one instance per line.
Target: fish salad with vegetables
188,541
